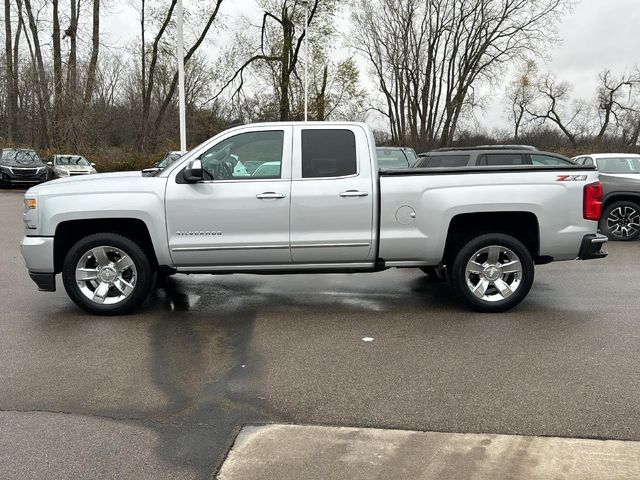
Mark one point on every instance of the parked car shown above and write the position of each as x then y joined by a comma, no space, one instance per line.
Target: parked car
394,157
267,170
330,209
411,155
490,155
70,165
620,177
21,166
163,163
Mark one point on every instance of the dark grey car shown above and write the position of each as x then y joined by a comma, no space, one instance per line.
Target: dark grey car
21,166
490,156
620,178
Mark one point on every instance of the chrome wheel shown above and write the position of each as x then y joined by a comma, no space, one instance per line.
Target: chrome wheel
623,221
106,275
493,273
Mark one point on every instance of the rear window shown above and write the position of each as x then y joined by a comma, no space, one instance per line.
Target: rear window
444,161
548,160
619,165
328,153
496,159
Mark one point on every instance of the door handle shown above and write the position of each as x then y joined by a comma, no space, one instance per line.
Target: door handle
266,195
354,193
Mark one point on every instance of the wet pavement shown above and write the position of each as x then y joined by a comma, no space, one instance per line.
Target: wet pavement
163,392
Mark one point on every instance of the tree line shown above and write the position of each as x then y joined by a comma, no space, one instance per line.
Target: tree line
419,70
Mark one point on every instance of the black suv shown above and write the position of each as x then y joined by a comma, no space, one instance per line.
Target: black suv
490,155
21,166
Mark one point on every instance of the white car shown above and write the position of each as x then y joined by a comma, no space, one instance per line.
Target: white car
625,165
70,165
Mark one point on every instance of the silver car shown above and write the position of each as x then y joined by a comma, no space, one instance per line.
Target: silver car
70,165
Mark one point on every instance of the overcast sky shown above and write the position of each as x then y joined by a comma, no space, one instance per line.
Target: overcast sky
598,34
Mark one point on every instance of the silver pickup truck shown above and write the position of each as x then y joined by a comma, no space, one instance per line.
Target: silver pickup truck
307,197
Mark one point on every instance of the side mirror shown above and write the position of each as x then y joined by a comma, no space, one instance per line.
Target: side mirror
193,172
93,164
50,164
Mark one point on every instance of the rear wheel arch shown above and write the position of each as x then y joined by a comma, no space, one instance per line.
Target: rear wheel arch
522,225
620,197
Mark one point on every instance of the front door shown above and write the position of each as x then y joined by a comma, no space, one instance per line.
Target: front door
240,214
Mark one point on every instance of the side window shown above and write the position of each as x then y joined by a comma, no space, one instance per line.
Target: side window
548,160
328,153
246,156
497,159
588,161
446,161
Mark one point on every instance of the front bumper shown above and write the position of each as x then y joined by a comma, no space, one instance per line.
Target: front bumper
46,282
15,175
38,254
592,247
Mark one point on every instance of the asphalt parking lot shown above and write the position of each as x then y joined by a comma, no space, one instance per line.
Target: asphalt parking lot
162,393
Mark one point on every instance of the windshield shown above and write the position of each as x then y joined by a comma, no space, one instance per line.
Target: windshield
71,160
619,165
15,156
168,159
391,158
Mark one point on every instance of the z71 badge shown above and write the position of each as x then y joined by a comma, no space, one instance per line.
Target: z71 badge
571,178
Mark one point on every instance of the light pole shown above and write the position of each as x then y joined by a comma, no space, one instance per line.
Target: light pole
181,100
306,58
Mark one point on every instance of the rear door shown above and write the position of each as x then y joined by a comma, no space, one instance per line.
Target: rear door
332,195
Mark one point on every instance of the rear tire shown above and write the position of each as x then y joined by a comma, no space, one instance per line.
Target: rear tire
107,274
492,272
620,221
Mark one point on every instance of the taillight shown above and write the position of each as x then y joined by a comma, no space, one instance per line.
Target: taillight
592,203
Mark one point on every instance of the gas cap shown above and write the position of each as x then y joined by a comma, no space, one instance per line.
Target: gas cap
405,215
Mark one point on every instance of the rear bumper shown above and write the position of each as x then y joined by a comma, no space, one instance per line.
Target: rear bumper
592,246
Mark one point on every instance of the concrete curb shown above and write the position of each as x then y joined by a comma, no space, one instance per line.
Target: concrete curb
315,452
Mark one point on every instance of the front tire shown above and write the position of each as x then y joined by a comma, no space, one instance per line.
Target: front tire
435,273
107,274
492,272
621,221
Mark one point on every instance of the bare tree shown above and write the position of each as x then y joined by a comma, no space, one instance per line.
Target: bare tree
93,62
615,96
554,104
42,87
521,92
12,94
282,33
428,57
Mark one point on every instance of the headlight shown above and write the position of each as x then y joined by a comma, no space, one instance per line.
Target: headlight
30,204
30,214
